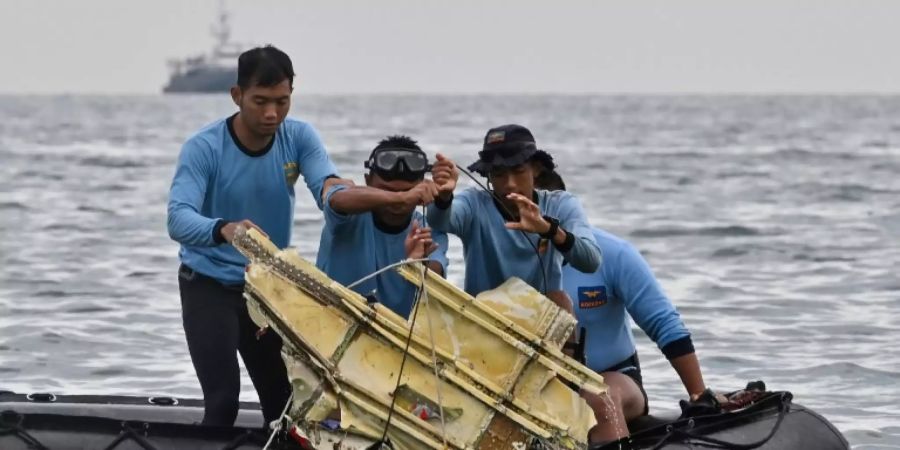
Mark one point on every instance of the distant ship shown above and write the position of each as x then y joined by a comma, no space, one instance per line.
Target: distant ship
215,72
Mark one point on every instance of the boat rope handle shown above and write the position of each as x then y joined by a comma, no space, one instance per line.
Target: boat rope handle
11,424
784,400
127,432
277,424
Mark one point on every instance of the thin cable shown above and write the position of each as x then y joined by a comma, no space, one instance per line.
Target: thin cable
412,326
385,269
510,214
437,377
415,313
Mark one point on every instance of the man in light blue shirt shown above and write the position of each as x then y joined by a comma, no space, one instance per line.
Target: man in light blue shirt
515,230
240,171
370,227
624,286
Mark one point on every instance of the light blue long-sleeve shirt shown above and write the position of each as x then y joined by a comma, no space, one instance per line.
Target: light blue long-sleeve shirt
624,285
354,246
216,178
494,253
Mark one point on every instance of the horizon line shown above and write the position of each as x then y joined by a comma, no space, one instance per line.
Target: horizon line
774,93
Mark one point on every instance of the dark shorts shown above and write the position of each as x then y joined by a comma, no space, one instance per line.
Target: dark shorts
632,368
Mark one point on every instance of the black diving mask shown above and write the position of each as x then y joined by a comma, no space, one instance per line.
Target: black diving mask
396,162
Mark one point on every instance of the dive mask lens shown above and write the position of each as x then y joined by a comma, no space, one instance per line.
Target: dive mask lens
386,160
416,162
389,160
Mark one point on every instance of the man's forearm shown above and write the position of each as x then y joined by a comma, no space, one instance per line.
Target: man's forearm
584,255
188,227
581,252
562,300
330,182
688,368
360,199
439,216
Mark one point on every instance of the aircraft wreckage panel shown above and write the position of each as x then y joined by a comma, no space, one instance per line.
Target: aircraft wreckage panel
498,359
322,326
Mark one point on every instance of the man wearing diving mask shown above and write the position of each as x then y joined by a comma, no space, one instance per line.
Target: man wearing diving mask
369,227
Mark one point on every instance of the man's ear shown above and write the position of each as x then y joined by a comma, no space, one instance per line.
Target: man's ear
537,168
236,94
368,178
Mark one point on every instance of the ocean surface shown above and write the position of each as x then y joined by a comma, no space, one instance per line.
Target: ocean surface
773,222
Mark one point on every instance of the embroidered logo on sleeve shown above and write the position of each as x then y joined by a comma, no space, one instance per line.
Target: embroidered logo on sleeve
591,296
291,172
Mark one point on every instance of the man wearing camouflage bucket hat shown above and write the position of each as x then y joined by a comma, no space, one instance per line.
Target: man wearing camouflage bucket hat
513,230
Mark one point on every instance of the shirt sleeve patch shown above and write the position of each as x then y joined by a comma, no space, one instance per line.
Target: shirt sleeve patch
291,172
591,296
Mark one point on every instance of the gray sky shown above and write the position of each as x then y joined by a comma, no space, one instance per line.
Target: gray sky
462,46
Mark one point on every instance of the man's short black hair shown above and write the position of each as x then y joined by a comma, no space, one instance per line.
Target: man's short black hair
549,180
397,141
264,66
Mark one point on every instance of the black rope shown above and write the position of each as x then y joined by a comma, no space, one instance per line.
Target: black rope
15,428
412,326
11,425
129,433
510,214
242,439
784,400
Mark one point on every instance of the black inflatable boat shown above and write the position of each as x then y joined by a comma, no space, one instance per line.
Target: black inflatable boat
770,420
50,422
